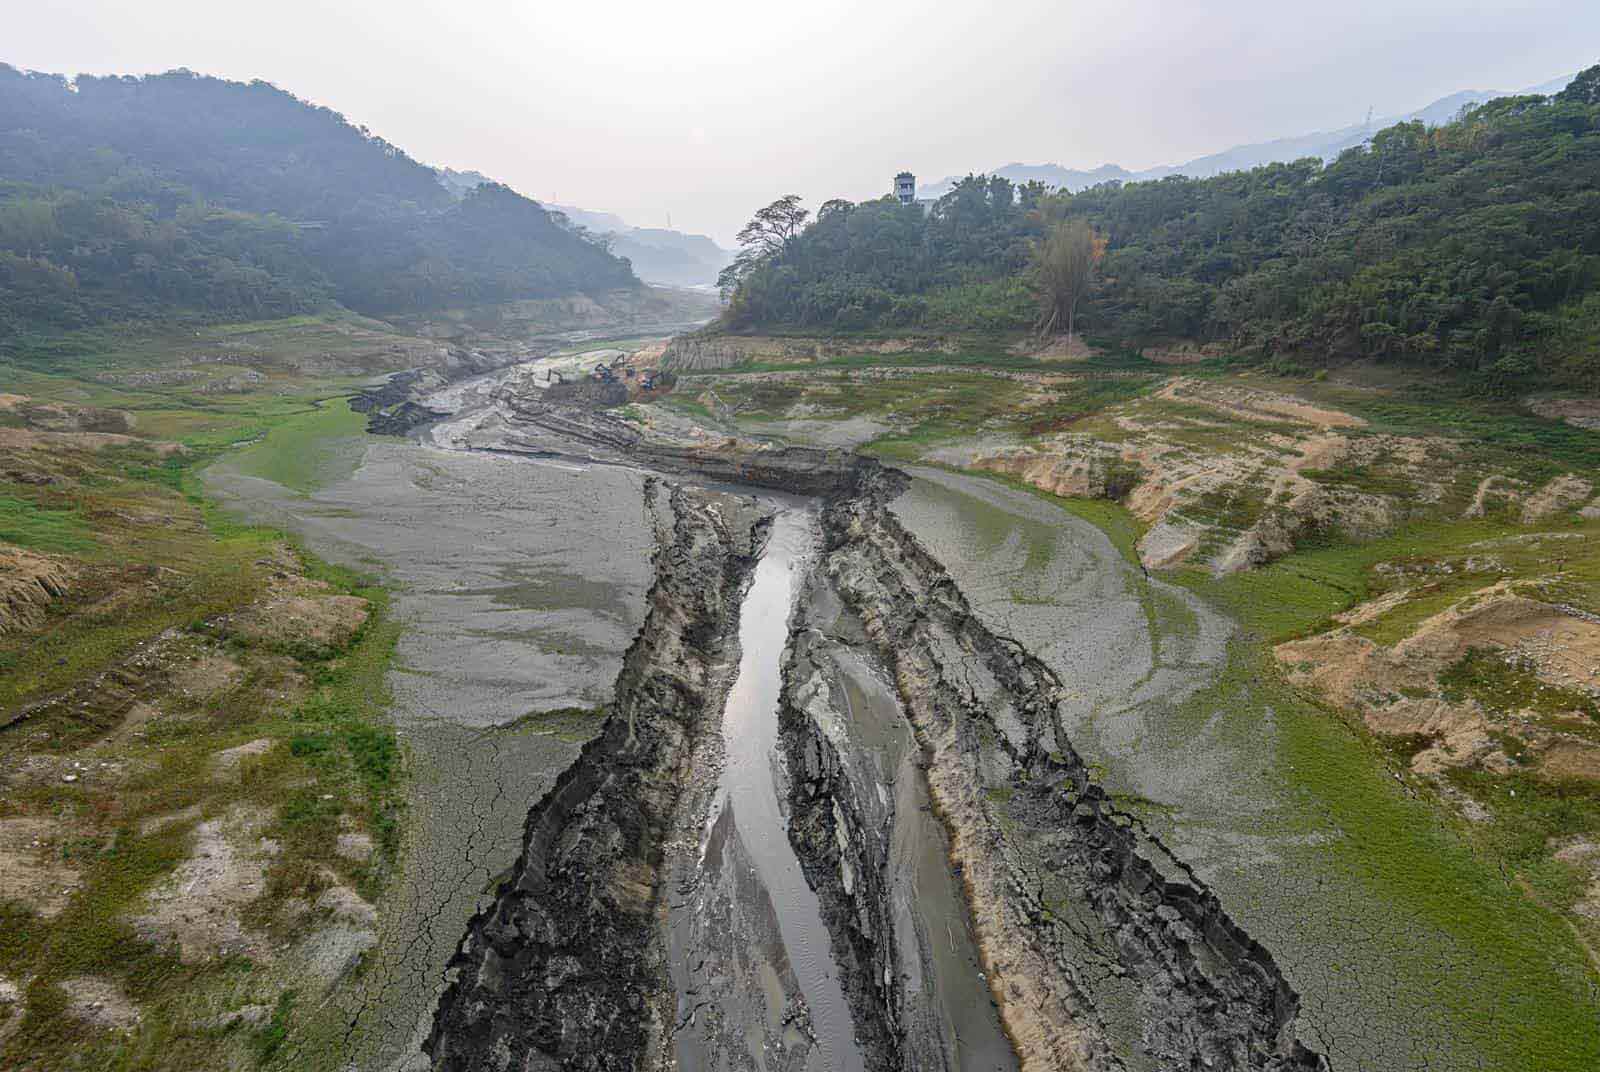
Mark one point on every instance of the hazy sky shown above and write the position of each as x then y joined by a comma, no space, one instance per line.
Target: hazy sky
706,109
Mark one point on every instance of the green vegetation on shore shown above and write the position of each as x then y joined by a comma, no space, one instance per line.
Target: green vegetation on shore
204,703
1468,247
309,450
176,197
1520,989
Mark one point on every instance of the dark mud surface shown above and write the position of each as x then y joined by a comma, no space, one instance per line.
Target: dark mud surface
566,967
751,961
916,951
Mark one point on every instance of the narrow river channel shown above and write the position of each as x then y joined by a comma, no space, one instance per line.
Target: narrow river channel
760,978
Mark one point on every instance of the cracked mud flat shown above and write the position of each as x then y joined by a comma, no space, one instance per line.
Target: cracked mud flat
1134,654
520,584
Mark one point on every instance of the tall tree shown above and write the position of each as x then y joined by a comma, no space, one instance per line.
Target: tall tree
775,226
766,236
1064,262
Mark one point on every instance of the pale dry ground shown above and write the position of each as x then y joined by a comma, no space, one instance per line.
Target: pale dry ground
1228,476
1395,688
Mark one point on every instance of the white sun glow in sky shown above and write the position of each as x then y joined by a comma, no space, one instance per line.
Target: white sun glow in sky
706,109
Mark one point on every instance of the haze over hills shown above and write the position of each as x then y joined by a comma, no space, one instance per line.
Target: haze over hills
183,196
1324,144
658,254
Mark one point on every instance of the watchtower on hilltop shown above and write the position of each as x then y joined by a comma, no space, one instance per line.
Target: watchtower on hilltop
905,188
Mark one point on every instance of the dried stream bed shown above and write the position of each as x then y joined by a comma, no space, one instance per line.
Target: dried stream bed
838,817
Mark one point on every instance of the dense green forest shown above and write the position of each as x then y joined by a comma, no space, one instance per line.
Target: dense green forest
1472,246
178,195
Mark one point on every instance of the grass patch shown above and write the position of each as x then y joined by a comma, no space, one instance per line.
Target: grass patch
1492,947
310,450
1504,685
44,528
573,724
160,570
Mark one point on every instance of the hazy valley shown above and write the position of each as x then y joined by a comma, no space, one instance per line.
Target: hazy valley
1149,627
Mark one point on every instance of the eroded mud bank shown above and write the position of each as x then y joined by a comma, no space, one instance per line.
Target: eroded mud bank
751,959
566,968
1095,945
1102,949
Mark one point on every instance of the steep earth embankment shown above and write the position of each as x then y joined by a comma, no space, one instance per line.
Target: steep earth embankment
566,967
1101,950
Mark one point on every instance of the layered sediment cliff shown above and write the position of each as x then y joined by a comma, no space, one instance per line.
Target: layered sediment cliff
1103,951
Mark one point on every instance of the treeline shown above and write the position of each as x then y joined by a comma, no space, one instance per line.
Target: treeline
1470,246
180,195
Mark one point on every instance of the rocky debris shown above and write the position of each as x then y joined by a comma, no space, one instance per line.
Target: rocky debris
1582,854
298,614
566,967
1096,941
1183,352
198,907
207,675
229,760
1230,477
32,871
55,417
11,1008
1567,492
393,407
29,582
1057,348
709,352
235,384
543,427
106,700
355,847
600,394
100,1002
243,1016
1579,412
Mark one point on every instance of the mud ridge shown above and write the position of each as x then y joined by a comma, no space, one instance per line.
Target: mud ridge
565,969
1103,951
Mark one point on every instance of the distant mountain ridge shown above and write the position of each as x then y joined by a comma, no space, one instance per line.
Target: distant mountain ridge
1324,144
658,254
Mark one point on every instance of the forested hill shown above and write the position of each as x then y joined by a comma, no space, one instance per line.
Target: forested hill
177,195
1473,246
